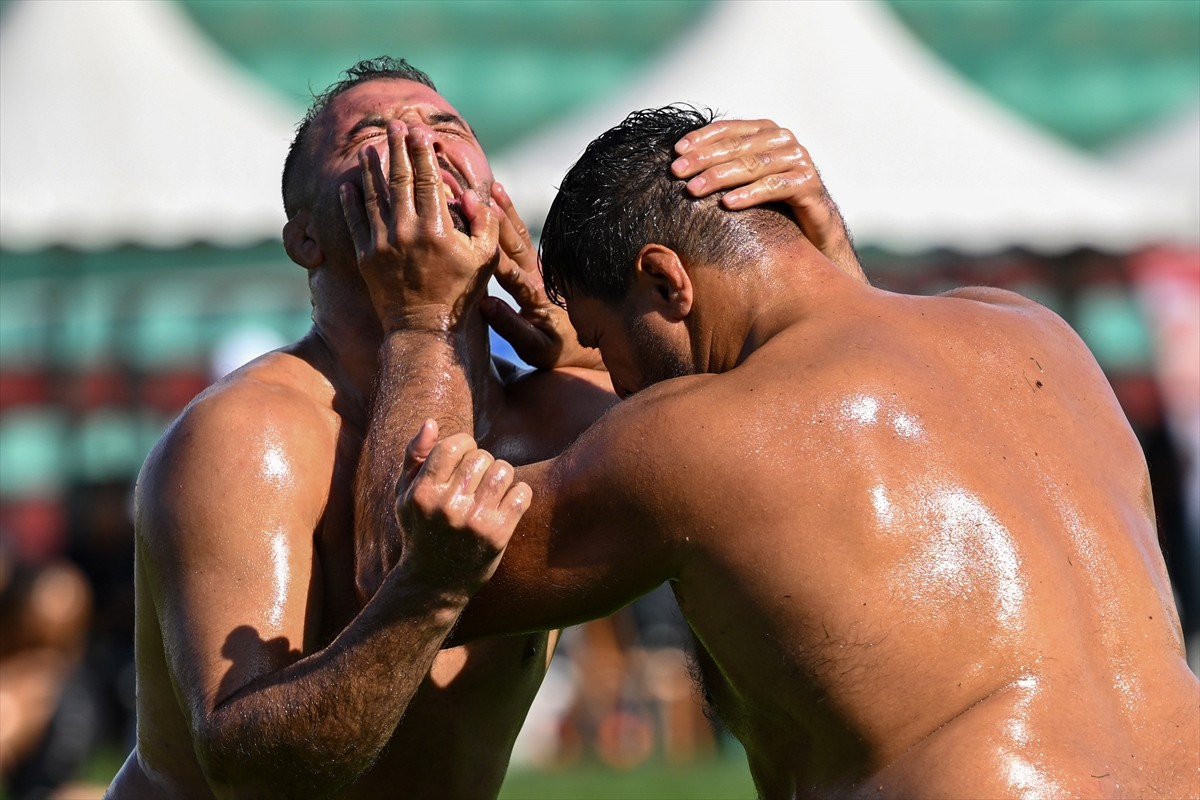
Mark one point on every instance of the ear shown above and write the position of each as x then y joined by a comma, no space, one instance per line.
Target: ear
659,270
299,242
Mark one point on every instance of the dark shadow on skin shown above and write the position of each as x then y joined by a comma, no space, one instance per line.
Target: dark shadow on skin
243,640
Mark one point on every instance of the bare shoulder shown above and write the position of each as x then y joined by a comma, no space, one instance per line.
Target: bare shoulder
270,422
989,294
1028,317
1005,300
535,384
661,428
546,410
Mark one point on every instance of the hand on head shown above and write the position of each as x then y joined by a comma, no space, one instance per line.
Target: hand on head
758,162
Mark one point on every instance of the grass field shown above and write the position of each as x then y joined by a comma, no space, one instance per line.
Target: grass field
725,777
722,778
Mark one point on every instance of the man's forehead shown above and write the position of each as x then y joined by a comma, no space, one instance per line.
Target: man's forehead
386,97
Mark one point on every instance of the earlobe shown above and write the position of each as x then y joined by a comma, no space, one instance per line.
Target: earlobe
659,269
299,243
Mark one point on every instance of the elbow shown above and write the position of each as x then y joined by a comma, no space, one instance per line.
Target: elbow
226,765
240,761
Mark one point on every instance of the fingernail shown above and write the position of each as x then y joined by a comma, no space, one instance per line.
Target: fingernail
680,165
696,183
682,146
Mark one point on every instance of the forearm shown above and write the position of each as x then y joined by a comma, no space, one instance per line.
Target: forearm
422,374
313,727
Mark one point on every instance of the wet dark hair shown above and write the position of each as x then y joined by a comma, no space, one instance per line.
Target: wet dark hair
620,195
380,67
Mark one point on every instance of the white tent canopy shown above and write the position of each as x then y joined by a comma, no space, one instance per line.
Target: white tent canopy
120,123
1167,154
914,156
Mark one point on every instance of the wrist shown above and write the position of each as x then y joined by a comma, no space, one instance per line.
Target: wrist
433,318
441,601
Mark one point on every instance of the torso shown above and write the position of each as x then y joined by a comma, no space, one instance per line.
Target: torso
952,583
458,732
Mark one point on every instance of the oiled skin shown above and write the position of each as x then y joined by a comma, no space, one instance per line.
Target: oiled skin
264,668
913,536
471,706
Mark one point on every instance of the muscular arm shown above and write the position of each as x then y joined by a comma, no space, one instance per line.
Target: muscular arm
601,531
415,265
228,507
232,504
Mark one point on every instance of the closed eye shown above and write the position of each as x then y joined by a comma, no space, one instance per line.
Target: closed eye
449,123
366,128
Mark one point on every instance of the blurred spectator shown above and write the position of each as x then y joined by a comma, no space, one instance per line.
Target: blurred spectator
632,695
47,714
100,541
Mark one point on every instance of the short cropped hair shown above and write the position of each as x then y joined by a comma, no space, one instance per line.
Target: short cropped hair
380,67
620,195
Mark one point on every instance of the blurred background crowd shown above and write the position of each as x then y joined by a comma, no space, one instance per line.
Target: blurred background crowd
1051,148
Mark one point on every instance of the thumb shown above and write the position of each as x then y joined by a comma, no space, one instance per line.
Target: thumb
418,450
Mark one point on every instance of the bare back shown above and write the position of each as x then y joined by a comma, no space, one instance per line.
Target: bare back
914,540
952,561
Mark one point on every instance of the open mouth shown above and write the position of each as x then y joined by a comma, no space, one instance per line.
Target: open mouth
452,188
458,217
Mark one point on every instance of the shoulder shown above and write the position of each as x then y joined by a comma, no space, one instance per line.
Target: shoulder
1004,300
532,384
660,429
549,409
1027,316
269,426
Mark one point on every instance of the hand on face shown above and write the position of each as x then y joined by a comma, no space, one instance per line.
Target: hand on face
759,162
458,507
418,268
540,332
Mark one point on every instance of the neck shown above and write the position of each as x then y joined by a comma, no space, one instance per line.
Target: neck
749,304
349,334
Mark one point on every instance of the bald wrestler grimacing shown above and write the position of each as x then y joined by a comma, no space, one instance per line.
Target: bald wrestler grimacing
913,536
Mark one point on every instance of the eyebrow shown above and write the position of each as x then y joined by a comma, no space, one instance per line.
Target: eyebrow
434,118
438,117
372,121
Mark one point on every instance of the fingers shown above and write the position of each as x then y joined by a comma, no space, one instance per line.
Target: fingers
525,287
400,170
499,494
419,448
736,153
720,129
463,481
515,240
376,200
525,337
484,224
356,217
445,457
429,199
